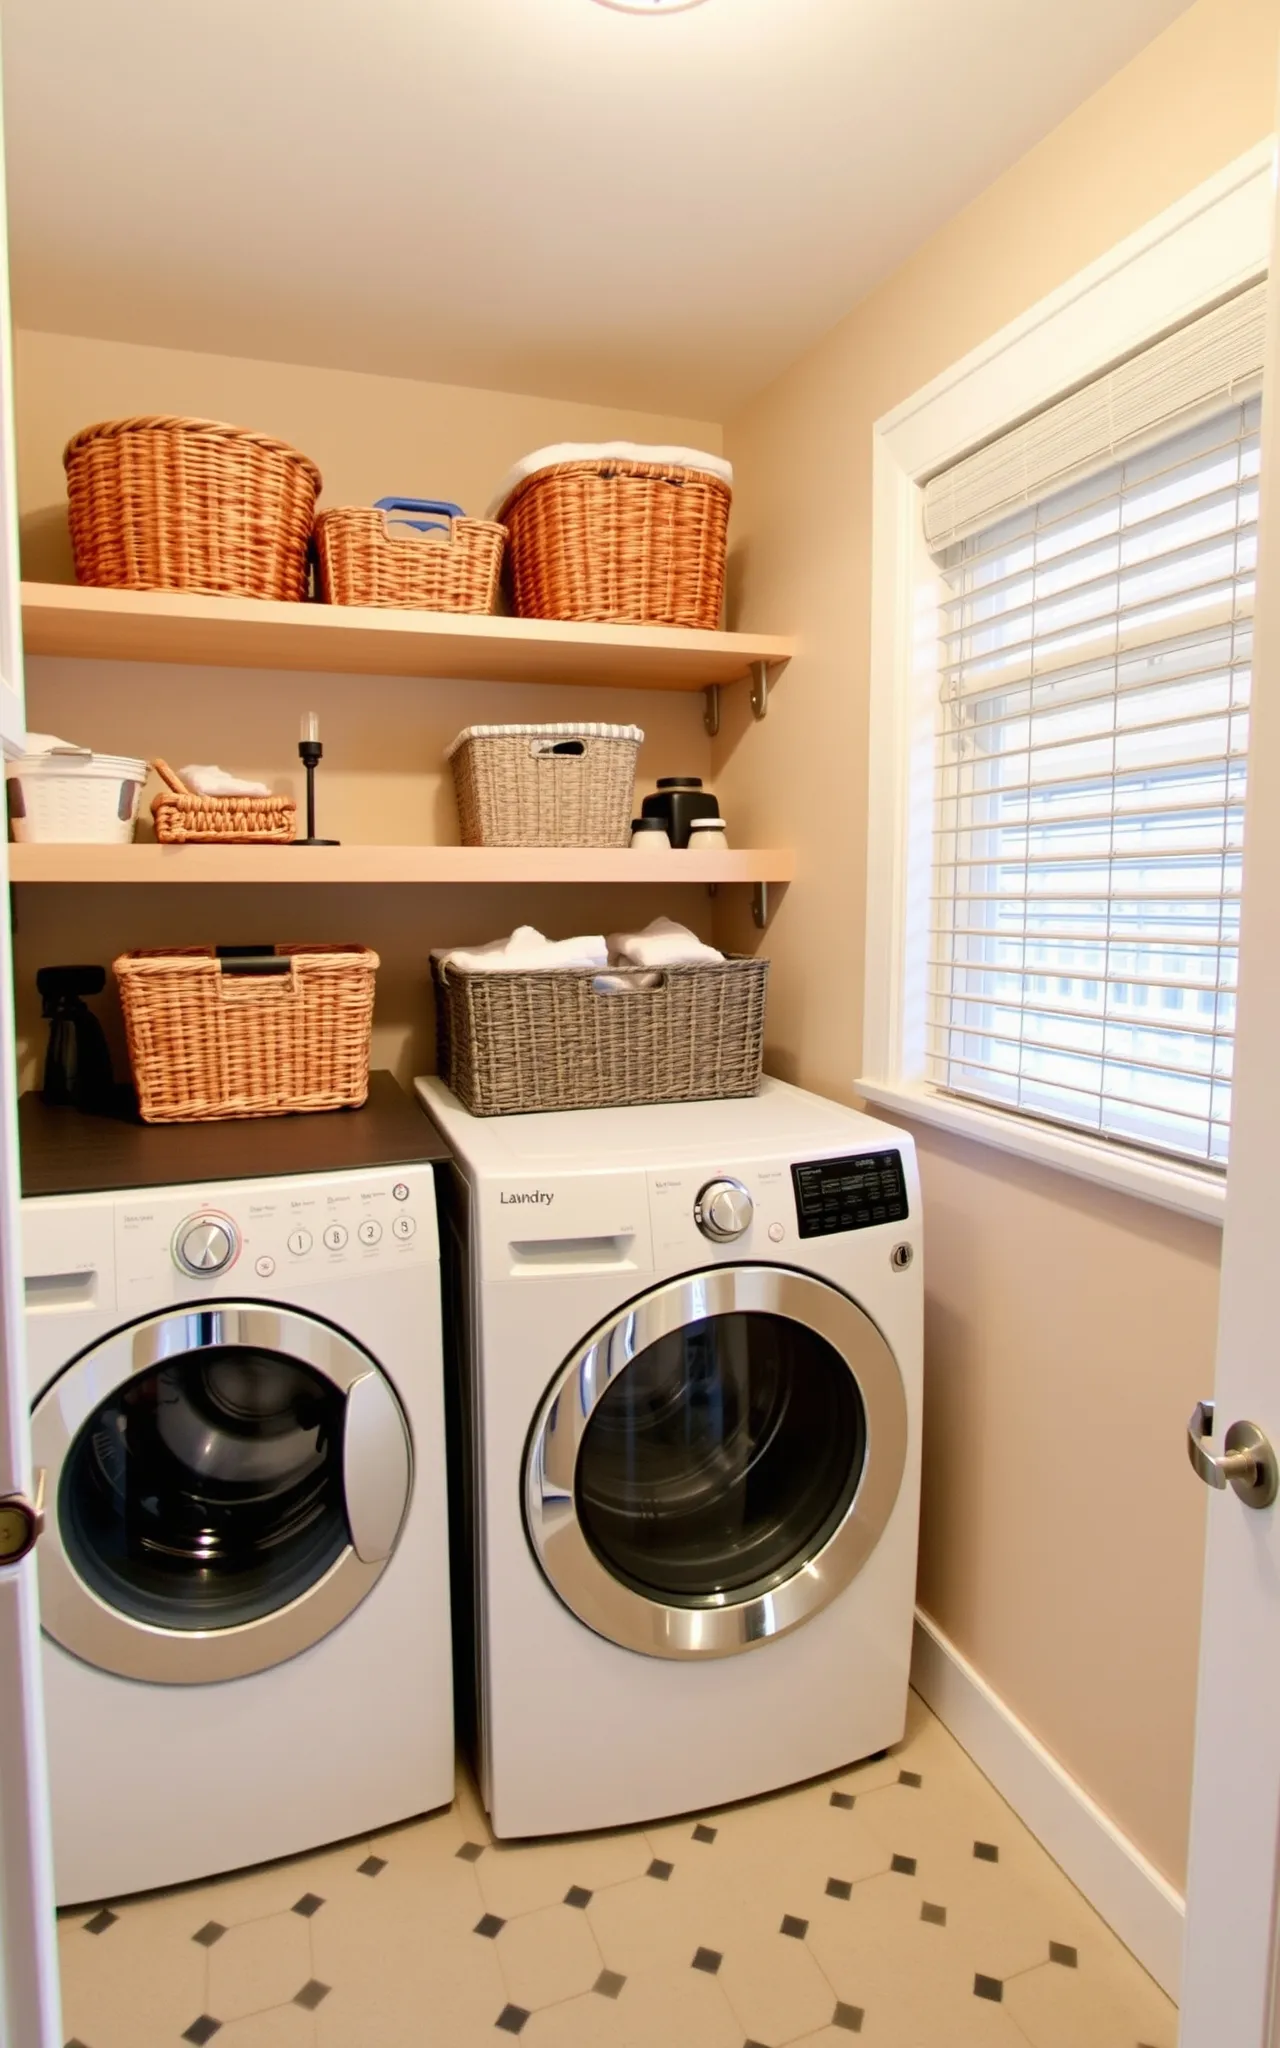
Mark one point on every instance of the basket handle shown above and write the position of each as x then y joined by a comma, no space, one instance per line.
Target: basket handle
170,777
628,981
561,750
443,505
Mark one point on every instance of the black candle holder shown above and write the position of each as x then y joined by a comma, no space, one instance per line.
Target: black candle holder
310,752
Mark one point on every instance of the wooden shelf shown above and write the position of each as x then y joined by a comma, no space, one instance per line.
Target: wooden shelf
441,865
228,632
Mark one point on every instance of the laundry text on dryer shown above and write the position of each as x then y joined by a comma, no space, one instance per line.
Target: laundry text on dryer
534,1198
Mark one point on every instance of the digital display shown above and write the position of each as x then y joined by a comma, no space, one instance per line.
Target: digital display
849,1194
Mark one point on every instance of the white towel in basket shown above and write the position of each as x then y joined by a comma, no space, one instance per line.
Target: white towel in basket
524,950
206,779
661,944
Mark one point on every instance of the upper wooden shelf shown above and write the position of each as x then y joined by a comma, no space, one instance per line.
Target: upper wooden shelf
231,632
148,862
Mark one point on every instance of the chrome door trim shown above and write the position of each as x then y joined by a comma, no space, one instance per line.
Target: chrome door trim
723,1626
87,1625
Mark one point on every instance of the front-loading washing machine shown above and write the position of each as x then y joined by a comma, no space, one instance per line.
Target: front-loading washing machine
689,1348
238,1406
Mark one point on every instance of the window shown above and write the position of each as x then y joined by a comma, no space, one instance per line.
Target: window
1094,669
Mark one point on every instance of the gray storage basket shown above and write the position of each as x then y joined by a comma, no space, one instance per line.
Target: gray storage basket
545,785
600,1038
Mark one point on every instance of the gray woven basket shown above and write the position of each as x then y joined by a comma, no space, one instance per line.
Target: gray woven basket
545,785
582,1038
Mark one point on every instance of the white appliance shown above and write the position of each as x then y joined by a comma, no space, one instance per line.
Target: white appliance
238,1404
691,1354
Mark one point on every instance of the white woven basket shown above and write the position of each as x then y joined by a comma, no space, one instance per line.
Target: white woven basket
72,795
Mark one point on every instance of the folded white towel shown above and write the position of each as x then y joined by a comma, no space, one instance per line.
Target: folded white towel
526,949
207,780
661,944
592,451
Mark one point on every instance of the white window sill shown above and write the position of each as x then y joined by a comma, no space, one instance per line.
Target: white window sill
1194,1191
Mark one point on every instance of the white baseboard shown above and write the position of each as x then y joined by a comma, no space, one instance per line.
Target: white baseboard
1116,1878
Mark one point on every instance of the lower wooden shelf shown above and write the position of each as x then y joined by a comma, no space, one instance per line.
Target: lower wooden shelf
442,865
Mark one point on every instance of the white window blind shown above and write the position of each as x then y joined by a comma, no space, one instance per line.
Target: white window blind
1095,651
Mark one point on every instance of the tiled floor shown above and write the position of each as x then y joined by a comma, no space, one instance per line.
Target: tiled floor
900,1901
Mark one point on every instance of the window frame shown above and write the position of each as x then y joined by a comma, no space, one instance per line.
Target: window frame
1209,244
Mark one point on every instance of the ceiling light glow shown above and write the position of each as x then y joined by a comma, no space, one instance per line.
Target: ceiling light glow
649,6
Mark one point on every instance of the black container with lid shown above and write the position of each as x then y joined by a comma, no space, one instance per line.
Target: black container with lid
678,800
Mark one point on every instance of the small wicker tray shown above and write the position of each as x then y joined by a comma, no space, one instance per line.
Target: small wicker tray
582,1038
254,1034
184,818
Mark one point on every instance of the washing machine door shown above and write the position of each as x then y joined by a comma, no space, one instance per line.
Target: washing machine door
716,1463
228,1483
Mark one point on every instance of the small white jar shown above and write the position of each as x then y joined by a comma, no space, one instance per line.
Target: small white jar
650,835
708,835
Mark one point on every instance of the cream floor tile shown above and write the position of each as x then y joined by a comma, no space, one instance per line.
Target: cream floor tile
289,2026
1103,2007
258,1964
775,1988
548,1956
642,1925
592,2021
520,1877
677,2009
130,1986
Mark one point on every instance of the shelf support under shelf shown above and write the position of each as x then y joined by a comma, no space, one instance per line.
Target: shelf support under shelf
760,905
711,708
760,689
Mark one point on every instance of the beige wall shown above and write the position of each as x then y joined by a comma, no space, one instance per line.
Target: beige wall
384,779
1064,1325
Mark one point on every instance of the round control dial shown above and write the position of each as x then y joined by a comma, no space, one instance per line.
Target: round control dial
205,1245
723,1210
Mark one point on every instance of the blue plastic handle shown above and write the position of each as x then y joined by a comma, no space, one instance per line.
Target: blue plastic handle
451,511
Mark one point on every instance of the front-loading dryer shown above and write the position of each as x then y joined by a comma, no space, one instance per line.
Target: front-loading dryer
238,1406
689,1348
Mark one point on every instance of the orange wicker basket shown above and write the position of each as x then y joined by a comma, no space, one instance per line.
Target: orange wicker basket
436,566
160,503
215,1035
183,817
614,539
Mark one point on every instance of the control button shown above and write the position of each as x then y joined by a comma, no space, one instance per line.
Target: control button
335,1237
264,1267
205,1244
777,1231
404,1227
400,1191
723,1211
300,1242
370,1232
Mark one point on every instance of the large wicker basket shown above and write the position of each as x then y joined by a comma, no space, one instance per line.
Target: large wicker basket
160,503
185,818
215,1035
436,567
545,785
581,1038
618,540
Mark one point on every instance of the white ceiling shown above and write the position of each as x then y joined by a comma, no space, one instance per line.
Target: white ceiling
535,195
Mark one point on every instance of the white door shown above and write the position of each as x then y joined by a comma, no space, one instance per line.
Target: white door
1232,1895
13,728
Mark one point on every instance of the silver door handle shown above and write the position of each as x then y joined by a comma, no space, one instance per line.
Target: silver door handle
1248,1464
21,1523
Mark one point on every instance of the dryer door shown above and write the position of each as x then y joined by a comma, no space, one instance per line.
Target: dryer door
228,1482
717,1462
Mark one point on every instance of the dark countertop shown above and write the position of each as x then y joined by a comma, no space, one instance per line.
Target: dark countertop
65,1152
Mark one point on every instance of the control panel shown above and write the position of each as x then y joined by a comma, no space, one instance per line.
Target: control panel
849,1194
205,1245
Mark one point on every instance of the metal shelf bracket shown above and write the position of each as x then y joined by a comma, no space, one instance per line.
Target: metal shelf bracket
760,688
760,904
711,708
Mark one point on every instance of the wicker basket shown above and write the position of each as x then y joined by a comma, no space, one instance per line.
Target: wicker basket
182,504
581,1038
247,1034
452,566
184,818
617,540
545,785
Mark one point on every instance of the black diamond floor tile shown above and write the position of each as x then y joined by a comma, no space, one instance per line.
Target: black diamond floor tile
101,1921
578,1895
659,1869
911,1778
513,2019
373,1866
850,2017
904,1865
844,1800
471,1852
702,1833
708,1959
311,1994
202,2030
935,1915
213,1930
490,1926
986,1852
795,1927
988,1987
609,1984
307,1905
1061,1952
839,1888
